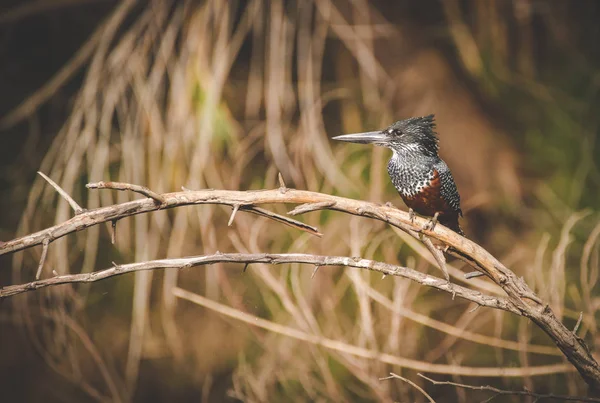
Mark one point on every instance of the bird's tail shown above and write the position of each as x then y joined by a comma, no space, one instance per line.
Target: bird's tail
452,223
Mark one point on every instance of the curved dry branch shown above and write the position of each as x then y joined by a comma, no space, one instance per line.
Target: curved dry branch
271,258
519,294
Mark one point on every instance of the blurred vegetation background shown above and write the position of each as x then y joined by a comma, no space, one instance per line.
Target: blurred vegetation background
219,94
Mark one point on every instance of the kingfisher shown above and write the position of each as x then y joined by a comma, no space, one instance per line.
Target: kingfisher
420,176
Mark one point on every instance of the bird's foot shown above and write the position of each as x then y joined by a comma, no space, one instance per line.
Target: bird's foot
442,247
411,215
432,222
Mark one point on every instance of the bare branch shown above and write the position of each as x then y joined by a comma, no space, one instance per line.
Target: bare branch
158,198
316,260
520,296
411,383
76,207
514,392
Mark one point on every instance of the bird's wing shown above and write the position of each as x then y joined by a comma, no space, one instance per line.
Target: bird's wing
448,189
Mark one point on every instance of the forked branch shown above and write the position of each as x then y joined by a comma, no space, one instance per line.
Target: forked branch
519,296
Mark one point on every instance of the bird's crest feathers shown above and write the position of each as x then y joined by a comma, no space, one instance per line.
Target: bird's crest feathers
417,131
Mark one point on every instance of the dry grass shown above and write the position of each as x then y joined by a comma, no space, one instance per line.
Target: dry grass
172,100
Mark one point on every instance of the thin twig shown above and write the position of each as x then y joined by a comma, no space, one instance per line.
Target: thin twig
158,198
282,219
438,256
414,385
76,207
513,392
43,258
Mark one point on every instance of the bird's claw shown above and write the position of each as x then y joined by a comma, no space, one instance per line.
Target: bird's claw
432,223
411,215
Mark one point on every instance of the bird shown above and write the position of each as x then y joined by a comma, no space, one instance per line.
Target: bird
420,176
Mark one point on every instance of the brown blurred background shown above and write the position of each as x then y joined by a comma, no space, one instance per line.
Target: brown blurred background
216,94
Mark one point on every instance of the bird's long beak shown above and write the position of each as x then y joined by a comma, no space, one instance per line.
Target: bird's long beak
363,138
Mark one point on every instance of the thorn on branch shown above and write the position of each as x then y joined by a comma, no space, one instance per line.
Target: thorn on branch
236,207
473,274
76,207
282,187
314,271
576,328
113,231
158,198
245,267
308,207
476,307
451,287
45,244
